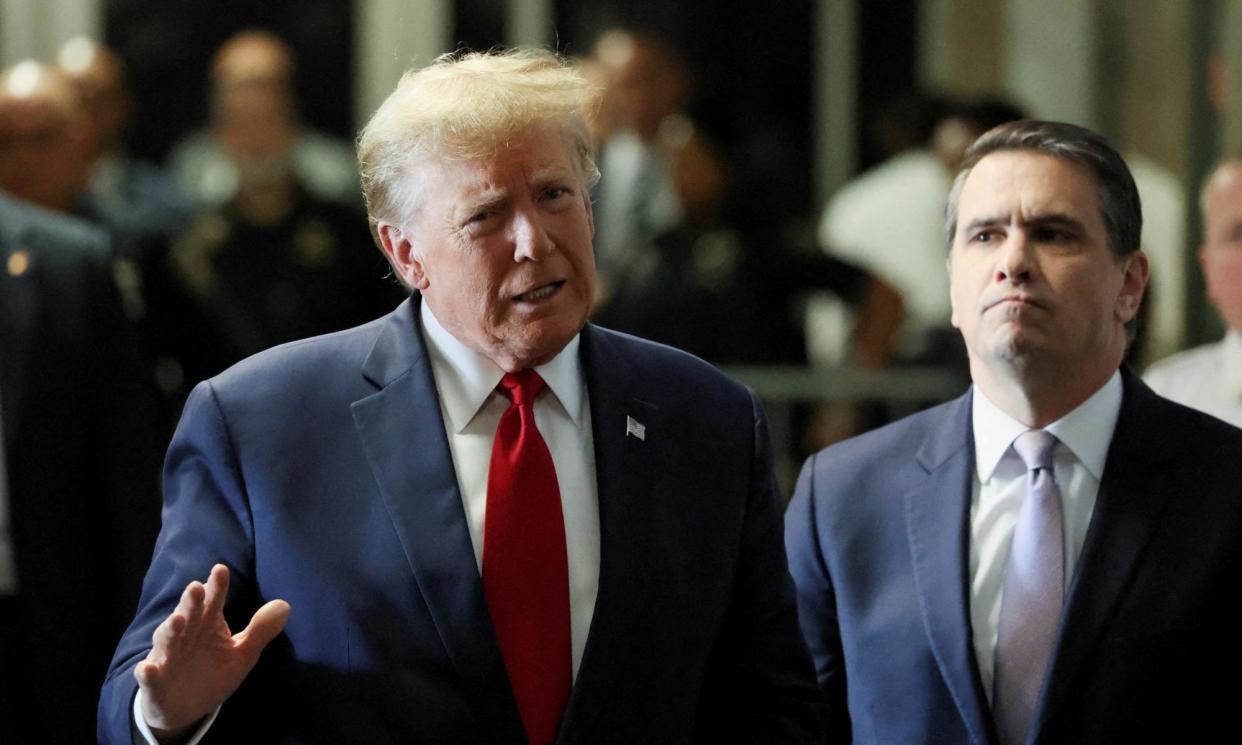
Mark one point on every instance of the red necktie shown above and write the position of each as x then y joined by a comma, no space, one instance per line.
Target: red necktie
525,569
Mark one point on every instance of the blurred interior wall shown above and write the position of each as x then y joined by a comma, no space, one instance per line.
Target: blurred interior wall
395,35
530,22
1230,45
836,93
35,28
392,36
961,46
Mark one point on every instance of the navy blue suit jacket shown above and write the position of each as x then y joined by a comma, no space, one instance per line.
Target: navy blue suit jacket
320,473
879,539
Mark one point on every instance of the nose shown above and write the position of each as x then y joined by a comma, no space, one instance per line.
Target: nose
1016,261
530,239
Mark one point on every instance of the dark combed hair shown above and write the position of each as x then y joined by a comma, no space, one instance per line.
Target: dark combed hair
1118,196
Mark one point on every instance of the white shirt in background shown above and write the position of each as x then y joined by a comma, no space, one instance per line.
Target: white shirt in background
1207,378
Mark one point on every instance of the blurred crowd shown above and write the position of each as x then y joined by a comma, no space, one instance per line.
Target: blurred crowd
253,234
250,237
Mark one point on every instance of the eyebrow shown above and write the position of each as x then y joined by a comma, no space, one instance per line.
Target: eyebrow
1051,219
488,200
554,174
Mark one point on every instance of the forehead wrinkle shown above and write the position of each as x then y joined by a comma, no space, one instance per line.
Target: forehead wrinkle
1051,218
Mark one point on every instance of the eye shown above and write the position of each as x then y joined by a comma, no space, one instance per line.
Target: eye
554,193
480,218
983,236
1053,235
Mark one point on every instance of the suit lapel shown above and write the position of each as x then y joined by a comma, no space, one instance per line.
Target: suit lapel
18,310
403,434
1127,509
937,520
625,466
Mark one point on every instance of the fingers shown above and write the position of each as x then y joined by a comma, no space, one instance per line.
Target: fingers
147,674
266,624
187,618
215,591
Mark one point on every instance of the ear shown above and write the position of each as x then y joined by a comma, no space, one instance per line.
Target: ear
402,255
1134,282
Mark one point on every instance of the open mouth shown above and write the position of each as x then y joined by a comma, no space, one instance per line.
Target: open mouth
539,293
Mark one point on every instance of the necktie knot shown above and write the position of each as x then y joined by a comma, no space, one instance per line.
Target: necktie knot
522,387
1035,447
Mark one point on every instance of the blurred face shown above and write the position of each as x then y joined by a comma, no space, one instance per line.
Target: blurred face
1033,284
1221,254
43,158
501,248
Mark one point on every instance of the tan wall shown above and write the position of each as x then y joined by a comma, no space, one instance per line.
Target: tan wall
961,46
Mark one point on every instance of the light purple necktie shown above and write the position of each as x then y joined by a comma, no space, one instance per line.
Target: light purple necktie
1033,591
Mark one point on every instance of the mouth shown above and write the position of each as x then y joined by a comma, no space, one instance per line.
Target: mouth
1016,301
539,293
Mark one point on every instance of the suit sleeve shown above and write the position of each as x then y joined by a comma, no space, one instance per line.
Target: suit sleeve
761,685
206,520
817,610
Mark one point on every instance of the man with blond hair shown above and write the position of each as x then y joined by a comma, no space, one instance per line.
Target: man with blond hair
479,519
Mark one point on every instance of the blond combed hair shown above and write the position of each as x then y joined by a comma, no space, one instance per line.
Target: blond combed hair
468,105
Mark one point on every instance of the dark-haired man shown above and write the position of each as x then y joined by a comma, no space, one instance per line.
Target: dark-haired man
1053,557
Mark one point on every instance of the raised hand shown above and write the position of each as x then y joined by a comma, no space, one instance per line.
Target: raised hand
195,662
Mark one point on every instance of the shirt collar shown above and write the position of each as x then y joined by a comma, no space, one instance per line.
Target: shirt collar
465,378
1086,431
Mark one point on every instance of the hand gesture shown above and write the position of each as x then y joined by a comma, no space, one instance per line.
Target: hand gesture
195,662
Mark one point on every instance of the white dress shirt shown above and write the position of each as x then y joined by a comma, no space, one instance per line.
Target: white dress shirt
466,383
1000,486
1207,378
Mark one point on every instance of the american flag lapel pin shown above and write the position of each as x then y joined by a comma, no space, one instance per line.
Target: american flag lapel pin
635,428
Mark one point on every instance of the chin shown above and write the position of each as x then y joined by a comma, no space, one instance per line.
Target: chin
1014,348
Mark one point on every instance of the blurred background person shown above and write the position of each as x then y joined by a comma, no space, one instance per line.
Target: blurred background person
272,264
254,125
137,201
713,286
1209,377
278,250
46,139
79,500
50,146
890,220
693,256
646,89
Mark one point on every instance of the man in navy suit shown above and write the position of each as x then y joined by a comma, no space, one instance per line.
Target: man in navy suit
340,489
912,546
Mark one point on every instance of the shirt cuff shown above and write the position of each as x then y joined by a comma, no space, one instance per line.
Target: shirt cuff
140,723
